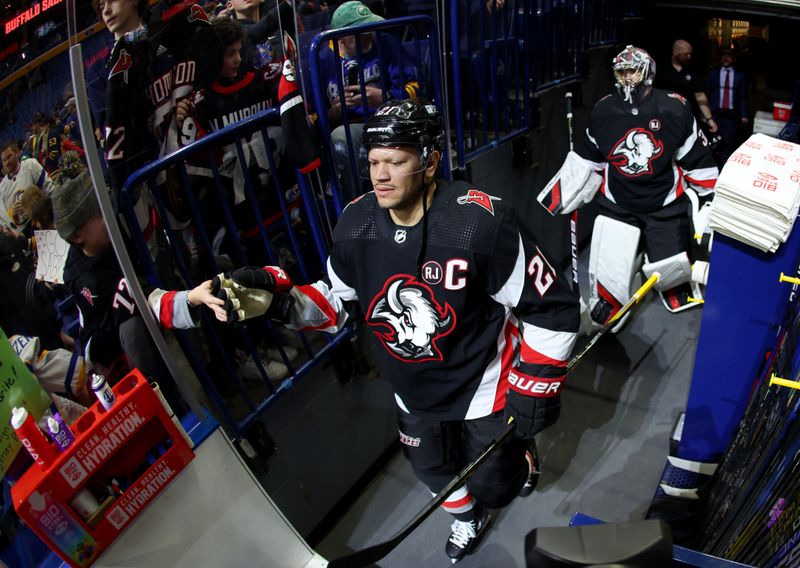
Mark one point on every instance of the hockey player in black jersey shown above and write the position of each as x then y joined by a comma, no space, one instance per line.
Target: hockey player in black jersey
650,152
474,322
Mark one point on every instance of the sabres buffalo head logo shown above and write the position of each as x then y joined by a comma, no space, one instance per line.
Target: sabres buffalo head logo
409,321
633,155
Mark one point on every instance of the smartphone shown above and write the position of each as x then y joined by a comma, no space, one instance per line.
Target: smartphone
352,72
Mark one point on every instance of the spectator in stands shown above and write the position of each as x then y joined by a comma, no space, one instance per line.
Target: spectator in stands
169,59
232,97
47,148
26,307
263,24
678,77
113,335
379,68
36,203
69,120
18,176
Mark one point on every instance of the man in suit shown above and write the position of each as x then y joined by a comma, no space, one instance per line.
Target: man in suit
727,96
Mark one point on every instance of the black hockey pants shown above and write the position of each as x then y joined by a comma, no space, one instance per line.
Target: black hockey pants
438,451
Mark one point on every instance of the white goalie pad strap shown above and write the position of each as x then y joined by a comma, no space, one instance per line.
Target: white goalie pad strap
674,270
699,215
573,185
612,260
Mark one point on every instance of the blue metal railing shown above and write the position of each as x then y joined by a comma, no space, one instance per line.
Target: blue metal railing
184,264
491,73
503,55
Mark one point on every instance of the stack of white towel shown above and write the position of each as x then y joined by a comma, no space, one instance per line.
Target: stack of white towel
758,193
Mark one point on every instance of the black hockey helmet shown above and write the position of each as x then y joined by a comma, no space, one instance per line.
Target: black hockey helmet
634,71
405,123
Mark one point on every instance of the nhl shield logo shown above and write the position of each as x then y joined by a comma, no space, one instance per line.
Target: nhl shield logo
408,320
400,236
633,155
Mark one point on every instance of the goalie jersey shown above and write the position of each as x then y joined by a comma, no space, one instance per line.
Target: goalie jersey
648,159
483,301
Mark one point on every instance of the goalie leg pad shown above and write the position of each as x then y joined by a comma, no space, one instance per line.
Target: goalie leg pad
674,270
612,265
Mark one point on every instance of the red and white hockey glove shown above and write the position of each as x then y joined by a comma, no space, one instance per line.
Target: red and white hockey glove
533,401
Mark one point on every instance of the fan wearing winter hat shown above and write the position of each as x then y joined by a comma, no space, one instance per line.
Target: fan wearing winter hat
93,277
91,272
77,217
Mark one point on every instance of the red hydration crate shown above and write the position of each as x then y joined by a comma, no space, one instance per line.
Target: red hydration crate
134,447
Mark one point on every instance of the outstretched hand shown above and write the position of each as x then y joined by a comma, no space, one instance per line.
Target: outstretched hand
204,294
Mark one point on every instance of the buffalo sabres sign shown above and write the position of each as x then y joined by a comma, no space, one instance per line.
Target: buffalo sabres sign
408,320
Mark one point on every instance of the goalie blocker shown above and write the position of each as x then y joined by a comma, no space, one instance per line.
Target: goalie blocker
574,185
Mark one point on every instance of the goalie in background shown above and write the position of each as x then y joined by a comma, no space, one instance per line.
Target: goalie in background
651,163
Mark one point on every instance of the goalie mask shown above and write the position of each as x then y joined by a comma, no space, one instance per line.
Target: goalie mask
405,123
634,71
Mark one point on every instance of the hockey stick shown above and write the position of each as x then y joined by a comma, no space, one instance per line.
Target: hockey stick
637,296
573,217
372,554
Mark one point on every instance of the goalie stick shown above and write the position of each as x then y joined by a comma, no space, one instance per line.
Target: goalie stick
637,296
573,217
372,554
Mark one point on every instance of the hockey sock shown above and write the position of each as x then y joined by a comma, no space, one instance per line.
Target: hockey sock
461,502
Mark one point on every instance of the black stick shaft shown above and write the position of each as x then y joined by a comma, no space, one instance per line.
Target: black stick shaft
372,554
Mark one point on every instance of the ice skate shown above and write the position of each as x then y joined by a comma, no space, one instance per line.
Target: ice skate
465,536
